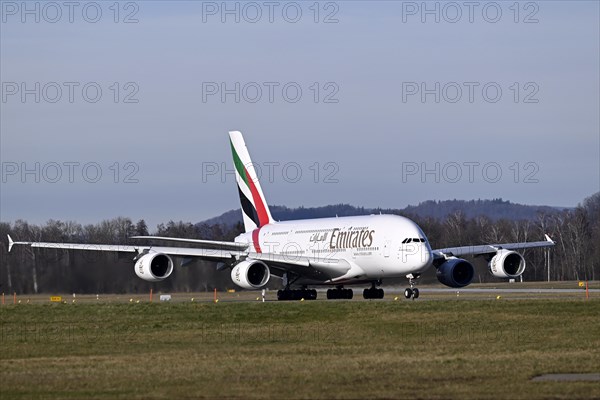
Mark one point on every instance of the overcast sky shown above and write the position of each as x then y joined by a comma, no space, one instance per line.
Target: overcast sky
376,104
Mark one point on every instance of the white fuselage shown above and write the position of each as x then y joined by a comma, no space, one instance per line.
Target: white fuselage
359,248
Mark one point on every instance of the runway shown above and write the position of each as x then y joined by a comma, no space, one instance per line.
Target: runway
508,291
505,291
498,290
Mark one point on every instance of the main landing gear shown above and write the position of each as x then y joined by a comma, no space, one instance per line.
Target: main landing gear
339,293
373,292
412,292
296,294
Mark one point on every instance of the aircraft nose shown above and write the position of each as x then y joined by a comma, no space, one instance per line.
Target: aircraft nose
420,256
427,257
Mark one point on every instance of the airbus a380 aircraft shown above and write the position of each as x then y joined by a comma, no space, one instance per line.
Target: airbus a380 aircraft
325,251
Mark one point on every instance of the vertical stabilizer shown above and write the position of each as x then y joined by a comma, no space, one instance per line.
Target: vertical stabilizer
254,206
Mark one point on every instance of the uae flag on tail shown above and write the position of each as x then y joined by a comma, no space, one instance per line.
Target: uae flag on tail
254,206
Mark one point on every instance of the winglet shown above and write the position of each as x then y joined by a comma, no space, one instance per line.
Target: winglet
548,238
10,243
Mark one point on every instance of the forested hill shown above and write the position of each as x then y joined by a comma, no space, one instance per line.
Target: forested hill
493,209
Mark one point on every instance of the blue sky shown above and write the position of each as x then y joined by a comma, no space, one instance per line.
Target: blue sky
364,137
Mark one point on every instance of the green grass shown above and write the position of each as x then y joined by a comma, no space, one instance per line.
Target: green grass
291,350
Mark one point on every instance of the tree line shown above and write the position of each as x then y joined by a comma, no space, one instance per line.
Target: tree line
576,255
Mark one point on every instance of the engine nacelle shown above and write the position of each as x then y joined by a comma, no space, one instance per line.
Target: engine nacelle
251,274
455,272
507,264
154,267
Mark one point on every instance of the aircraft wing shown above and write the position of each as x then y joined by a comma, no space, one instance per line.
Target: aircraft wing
489,248
207,243
207,253
279,262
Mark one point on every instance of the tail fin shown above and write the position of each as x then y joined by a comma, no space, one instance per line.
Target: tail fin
254,206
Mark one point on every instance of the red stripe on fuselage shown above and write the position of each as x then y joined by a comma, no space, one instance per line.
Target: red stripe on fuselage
255,240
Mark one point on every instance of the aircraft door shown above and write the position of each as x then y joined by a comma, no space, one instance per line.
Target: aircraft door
386,247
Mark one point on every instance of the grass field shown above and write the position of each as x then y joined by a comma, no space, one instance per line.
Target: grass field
454,348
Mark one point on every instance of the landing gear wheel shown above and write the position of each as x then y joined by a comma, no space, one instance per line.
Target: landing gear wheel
297,294
339,293
373,292
412,292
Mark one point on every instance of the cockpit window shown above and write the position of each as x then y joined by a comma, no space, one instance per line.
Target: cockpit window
413,240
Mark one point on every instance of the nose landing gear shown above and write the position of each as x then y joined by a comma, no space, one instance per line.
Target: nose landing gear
412,292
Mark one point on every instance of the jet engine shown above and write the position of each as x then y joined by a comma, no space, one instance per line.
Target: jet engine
507,264
154,267
250,274
455,272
